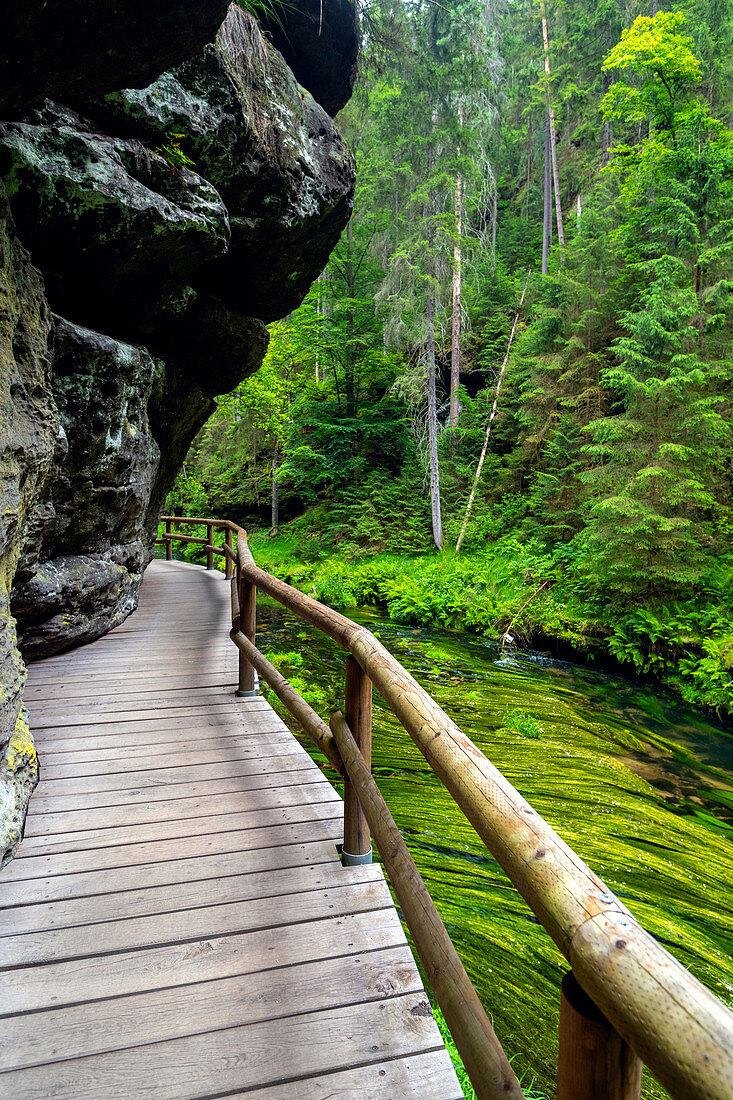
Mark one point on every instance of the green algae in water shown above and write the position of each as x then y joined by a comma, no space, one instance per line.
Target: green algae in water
639,786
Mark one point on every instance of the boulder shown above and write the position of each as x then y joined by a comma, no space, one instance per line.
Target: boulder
28,428
64,48
273,154
85,551
105,218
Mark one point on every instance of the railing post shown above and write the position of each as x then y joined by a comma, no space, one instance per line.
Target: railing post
210,541
248,625
357,847
168,540
594,1063
227,559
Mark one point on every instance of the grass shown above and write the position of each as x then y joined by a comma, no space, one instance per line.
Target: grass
522,722
526,1081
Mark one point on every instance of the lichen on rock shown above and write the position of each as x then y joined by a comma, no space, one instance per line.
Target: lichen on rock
28,428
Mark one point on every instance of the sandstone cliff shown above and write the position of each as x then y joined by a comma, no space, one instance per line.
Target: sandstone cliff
174,196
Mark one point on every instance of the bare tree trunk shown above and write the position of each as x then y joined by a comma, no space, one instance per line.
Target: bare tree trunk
529,166
607,133
455,344
547,198
485,447
350,368
432,400
319,309
553,143
275,513
494,221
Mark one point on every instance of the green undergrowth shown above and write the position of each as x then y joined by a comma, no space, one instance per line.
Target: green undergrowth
518,587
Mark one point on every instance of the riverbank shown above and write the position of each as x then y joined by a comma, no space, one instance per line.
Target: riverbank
519,588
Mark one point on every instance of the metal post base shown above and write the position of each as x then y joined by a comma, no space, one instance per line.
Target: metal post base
355,861
240,693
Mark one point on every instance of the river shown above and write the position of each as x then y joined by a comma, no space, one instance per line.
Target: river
639,785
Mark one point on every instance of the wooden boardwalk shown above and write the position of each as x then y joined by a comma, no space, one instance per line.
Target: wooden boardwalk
177,923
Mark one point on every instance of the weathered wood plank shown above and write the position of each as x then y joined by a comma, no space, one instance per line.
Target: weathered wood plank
114,817
182,828
86,1029
164,777
274,742
97,940
38,987
49,800
239,840
242,1057
127,904
84,884
416,1077
129,761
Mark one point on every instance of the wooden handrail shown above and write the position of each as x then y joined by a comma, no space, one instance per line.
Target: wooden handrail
680,1030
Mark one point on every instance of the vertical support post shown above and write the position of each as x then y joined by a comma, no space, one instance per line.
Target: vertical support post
228,560
594,1063
357,847
168,540
210,541
248,625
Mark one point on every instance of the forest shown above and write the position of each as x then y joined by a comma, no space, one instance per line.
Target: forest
505,404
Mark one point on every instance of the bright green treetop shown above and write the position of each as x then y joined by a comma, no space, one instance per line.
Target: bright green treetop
664,59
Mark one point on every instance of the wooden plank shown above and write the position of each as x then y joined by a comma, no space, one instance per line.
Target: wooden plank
182,828
97,940
126,904
130,761
167,735
222,681
33,988
416,1077
119,731
56,798
46,713
89,718
84,884
124,855
161,776
275,742
86,1029
113,817
241,1057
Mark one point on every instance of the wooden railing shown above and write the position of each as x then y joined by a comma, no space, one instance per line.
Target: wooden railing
625,1002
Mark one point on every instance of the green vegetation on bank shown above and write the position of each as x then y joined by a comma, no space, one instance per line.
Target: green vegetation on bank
517,587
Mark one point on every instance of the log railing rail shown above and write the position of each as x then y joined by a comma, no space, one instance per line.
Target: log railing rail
626,1001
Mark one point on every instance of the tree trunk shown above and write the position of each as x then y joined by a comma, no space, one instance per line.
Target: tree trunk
485,447
430,353
350,368
494,221
547,198
455,345
275,513
553,143
529,166
607,133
